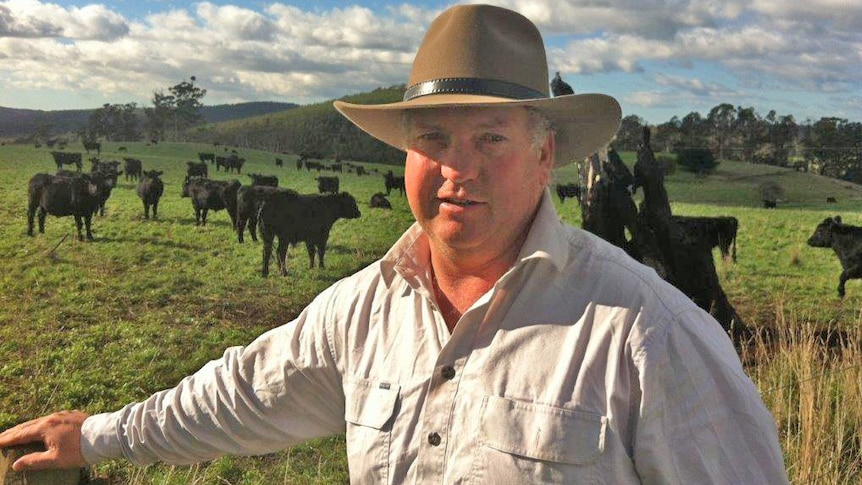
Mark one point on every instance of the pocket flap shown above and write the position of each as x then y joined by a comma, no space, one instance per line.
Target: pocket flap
542,432
370,403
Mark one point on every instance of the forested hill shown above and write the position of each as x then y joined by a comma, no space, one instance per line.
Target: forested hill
316,129
16,123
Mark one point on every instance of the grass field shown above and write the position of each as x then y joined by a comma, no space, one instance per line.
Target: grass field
95,325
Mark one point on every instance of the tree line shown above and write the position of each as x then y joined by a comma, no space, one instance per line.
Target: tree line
830,146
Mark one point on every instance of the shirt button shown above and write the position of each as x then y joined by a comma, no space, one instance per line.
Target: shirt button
448,372
434,439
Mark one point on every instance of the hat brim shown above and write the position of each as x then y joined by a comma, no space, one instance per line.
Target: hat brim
584,123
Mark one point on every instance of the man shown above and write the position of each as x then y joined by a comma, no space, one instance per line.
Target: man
492,344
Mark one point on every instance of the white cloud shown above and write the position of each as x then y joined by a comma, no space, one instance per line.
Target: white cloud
34,19
280,51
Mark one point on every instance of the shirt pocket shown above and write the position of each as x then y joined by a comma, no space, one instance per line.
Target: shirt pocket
369,408
522,442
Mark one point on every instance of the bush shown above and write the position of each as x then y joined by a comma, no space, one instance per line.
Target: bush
697,160
667,164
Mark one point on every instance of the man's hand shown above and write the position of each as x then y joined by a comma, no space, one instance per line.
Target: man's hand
61,434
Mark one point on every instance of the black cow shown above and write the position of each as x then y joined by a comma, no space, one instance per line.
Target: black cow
207,195
150,190
846,241
379,201
711,231
67,194
93,145
258,179
197,169
393,182
206,157
110,172
248,202
327,184
133,168
230,163
63,158
292,218
279,162
568,190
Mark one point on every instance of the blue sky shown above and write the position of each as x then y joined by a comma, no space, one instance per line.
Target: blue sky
659,58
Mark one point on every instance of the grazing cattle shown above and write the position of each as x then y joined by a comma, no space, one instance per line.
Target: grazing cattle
299,163
122,149
229,163
63,158
197,169
379,201
67,194
360,170
133,168
711,231
150,190
206,157
831,200
248,202
770,204
207,195
292,218
258,179
110,173
393,182
327,184
279,162
92,145
846,241
568,190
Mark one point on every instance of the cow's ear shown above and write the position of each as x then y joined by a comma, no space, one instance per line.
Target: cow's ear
837,219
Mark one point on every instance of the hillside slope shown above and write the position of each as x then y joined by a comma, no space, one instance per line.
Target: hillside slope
16,123
316,129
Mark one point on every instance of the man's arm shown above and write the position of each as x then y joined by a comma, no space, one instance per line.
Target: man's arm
701,419
61,434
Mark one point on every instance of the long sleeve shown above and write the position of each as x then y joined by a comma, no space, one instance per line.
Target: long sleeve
281,389
701,419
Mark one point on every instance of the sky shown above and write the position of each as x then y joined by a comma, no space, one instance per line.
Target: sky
658,58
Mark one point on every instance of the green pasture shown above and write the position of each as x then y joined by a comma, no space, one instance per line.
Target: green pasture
93,325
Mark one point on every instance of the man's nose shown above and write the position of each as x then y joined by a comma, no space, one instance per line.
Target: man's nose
459,162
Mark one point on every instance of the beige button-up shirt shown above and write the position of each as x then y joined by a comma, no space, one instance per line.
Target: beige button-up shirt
579,366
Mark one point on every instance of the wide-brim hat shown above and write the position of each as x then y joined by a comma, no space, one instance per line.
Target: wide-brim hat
481,55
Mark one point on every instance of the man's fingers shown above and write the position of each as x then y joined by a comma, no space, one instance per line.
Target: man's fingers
21,434
61,435
36,461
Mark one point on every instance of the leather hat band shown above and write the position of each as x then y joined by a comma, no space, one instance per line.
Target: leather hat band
465,85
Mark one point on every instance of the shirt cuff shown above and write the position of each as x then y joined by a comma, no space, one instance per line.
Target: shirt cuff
99,438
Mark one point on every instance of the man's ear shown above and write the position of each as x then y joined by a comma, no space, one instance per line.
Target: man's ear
546,157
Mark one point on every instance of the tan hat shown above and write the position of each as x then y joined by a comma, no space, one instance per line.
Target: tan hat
481,55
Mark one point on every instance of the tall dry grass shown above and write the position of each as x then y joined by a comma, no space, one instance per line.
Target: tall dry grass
811,380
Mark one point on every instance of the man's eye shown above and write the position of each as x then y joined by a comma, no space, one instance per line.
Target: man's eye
492,138
430,136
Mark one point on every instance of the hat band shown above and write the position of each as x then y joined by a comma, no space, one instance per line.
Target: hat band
469,85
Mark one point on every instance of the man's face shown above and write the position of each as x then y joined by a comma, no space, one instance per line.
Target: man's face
474,179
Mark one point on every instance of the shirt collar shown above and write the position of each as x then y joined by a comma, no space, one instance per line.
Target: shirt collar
411,254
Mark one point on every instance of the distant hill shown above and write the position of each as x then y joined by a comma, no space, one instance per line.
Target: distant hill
16,123
316,129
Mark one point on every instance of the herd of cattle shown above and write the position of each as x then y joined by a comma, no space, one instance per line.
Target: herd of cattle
280,213
291,217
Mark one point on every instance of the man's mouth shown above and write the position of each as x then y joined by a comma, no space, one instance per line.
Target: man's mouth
458,202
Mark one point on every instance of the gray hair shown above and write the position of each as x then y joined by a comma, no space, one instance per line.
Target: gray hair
539,125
